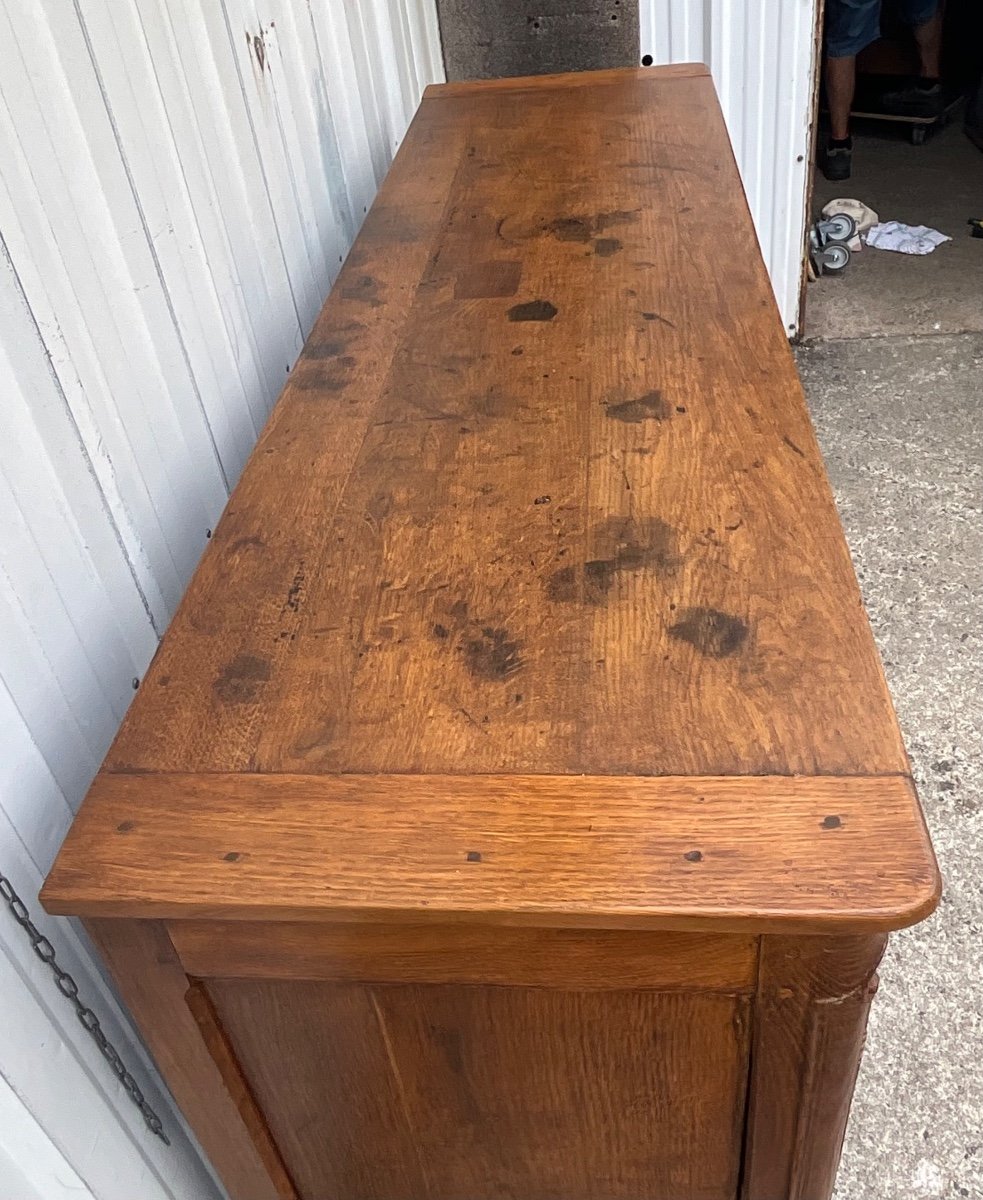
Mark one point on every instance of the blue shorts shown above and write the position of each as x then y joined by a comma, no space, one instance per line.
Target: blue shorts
851,25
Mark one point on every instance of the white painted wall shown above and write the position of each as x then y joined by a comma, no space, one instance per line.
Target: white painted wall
761,54
179,181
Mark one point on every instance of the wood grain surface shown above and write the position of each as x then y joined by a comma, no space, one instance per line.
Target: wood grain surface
564,79
222,1054
522,714
574,959
222,1112
541,494
487,1093
810,1020
824,854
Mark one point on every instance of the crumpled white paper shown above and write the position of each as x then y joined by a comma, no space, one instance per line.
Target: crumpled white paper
906,239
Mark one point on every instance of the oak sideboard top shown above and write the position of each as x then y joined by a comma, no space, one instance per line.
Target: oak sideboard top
532,603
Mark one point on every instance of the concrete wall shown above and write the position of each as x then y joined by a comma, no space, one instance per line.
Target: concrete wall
486,39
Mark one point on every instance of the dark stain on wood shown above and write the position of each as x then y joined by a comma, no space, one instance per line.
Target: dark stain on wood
654,316
365,289
693,856
583,228
619,216
292,602
240,679
605,247
324,349
322,375
650,407
831,822
232,856
488,280
571,229
533,310
379,507
451,1044
493,656
392,226
713,633
634,546
474,856
492,402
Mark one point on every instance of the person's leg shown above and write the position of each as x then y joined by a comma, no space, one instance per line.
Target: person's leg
841,79
850,26
928,38
923,96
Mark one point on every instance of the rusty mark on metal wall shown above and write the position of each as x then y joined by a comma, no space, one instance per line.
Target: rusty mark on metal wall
257,46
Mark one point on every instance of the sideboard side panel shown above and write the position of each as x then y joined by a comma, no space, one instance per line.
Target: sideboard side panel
154,985
404,1091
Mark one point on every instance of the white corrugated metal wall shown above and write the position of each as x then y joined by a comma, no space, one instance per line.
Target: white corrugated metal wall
761,54
180,181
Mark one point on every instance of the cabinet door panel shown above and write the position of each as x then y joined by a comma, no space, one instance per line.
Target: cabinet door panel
448,1092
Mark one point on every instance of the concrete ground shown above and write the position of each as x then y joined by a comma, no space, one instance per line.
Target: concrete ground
898,407
881,293
900,420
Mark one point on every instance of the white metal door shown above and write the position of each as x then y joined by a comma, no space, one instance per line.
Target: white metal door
762,55
179,180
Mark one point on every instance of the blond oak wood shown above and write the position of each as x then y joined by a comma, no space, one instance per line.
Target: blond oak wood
542,493
813,998
518,779
218,1105
565,79
474,954
219,1048
722,854
494,1092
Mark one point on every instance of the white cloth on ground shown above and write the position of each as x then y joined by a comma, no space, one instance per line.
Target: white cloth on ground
906,239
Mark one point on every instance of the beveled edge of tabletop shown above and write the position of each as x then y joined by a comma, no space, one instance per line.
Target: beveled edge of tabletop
564,79
822,854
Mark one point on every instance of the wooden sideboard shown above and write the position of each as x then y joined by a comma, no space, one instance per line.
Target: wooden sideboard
515,808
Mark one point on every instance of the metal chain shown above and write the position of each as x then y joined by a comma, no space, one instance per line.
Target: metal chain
90,1022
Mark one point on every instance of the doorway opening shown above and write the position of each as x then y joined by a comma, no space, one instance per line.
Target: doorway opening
921,167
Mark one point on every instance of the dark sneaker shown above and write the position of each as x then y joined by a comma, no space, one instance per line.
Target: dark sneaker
836,161
915,100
